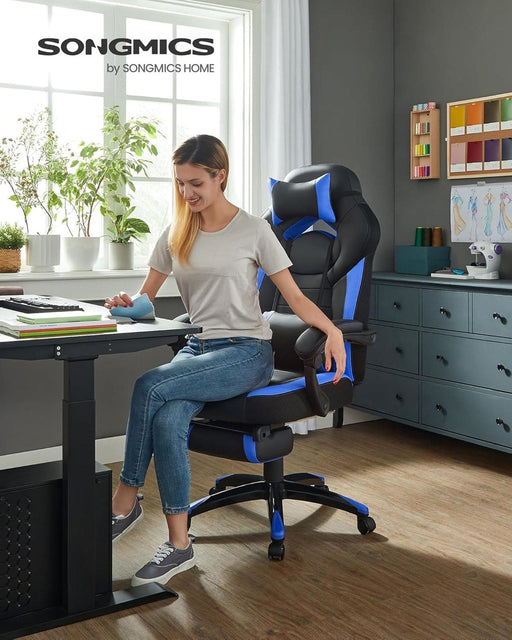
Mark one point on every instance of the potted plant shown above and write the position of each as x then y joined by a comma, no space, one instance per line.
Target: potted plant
31,164
98,178
12,239
122,230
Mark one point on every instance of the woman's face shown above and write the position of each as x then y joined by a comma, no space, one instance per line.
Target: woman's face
197,186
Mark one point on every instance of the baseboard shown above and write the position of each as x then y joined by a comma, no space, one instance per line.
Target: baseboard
108,450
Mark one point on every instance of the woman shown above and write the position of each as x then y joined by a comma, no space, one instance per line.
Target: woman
214,250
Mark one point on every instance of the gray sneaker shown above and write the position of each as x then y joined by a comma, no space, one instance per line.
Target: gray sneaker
166,563
123,524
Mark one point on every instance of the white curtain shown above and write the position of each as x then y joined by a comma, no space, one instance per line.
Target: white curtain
285,100
285,90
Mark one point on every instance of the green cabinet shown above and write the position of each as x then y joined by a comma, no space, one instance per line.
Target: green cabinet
443,357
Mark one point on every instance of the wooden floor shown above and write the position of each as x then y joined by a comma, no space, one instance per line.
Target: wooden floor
438,566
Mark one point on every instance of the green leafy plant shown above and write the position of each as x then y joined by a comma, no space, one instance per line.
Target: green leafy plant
32,164
124,227
12,236
101,176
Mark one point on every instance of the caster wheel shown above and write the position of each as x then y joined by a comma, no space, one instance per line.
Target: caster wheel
366,524
212,491
276,551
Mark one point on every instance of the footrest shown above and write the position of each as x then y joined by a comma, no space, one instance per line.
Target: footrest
260,444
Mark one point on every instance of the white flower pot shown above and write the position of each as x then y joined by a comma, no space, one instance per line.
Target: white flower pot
80,254
120,256
43,252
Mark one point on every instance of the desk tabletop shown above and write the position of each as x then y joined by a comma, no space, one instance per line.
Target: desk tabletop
130,337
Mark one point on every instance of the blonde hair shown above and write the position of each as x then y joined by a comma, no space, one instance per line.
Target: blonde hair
205,152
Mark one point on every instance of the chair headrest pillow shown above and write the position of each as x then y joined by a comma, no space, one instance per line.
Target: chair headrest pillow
292,200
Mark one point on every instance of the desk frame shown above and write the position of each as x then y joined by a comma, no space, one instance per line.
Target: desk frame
78,353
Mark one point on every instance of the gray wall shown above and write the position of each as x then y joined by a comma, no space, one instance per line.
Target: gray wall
352,99
371,60
445,50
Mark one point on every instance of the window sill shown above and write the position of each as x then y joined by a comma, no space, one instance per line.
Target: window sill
84,285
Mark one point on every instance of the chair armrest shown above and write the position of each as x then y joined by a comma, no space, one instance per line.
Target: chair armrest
309,346
182,340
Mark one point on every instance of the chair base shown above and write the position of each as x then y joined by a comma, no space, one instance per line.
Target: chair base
274,487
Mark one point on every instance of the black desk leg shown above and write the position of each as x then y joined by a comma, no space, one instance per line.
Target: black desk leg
78,423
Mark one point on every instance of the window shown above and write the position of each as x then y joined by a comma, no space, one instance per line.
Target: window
189,94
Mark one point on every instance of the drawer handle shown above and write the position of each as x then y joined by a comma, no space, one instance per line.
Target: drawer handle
445,312
399,397
501,423
502,367
497,316
399,350
440,408
397,305
442,359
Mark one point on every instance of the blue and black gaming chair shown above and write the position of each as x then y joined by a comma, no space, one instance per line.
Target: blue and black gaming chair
330,233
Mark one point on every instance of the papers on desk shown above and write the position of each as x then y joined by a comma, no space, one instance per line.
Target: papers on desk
13,327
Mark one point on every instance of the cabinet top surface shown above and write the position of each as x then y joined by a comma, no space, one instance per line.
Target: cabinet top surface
497,286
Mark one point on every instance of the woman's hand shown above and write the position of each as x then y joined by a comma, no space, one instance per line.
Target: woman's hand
335,350
121,299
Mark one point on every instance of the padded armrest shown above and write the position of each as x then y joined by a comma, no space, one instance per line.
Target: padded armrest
182,340
311,341
309,346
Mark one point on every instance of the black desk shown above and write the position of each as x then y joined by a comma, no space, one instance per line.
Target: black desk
79,598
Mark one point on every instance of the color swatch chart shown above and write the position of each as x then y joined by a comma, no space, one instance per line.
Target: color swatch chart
480,137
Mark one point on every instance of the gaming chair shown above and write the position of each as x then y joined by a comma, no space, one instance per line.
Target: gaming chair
330,233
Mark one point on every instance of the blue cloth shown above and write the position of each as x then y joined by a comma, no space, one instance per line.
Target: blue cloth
142,309
165,400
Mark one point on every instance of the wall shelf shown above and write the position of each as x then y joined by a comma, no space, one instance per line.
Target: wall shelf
424,150
479,137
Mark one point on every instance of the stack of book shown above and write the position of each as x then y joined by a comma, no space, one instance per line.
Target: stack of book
54,324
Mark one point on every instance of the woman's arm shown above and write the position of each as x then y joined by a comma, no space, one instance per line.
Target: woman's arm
309,313
152,283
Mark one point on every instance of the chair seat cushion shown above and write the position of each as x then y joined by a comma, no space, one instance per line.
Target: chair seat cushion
283,400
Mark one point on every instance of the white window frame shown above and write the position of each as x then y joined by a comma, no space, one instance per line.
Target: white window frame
239,128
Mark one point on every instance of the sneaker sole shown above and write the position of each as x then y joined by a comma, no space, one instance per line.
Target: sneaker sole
130,527
164,579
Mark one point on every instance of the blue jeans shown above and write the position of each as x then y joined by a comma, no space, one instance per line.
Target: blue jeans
165,400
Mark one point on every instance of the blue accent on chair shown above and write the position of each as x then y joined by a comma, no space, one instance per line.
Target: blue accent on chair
298,228
260,277
250,449
275,219
354,278
323,198
277,527
348,373
361,508
286,387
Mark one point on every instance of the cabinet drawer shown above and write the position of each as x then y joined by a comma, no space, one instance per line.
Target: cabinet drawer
468,412
398,304
446,310
395,348
388,393
492,315
475,362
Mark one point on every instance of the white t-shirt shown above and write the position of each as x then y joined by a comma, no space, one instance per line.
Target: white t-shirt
219,285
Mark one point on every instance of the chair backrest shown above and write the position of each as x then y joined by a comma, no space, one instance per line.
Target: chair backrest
331,234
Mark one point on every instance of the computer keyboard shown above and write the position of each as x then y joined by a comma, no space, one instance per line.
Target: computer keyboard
38,304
